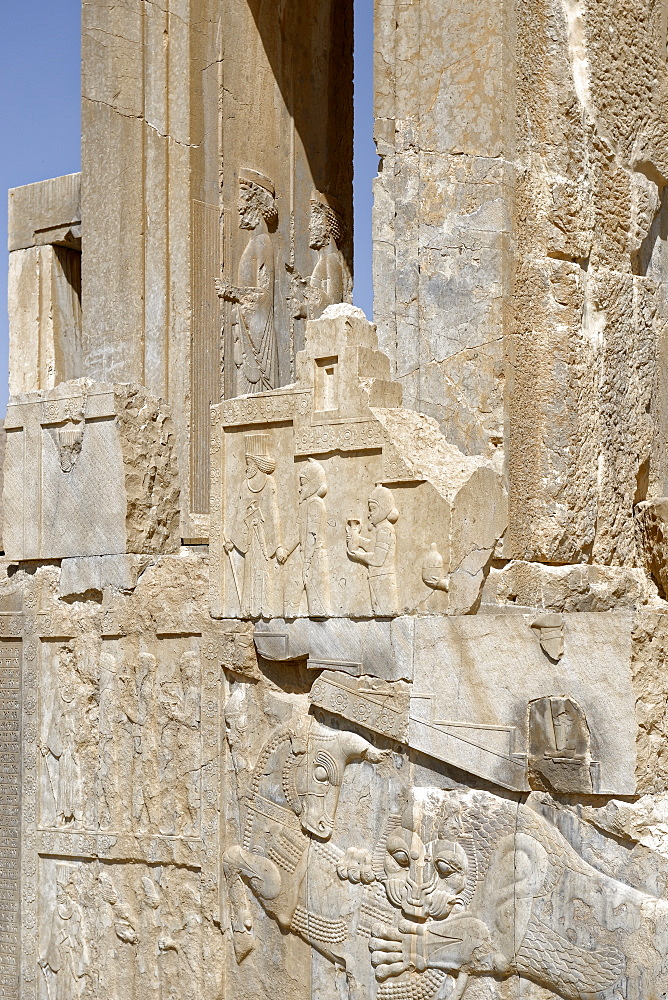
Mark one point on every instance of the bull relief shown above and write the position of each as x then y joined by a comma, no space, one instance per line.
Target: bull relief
418,892
364,489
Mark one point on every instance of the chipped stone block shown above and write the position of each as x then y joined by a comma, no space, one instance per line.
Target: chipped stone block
90,469
566,588
376,705
381,649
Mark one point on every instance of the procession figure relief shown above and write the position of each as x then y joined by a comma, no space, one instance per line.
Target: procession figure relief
254,335
328,282
255,531
59,750
378,553
312,542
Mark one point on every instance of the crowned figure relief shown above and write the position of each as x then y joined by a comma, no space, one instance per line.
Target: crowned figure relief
254,335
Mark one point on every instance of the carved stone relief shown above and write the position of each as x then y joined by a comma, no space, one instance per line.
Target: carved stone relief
90,469
414,891
329,283
255,348
120,738
374,488
120,930
560,747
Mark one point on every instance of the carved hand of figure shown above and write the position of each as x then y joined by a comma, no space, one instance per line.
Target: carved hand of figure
396,950
126,932
228,545
281,554
227,291
356,867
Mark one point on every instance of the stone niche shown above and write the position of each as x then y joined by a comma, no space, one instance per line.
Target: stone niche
90,470
330,499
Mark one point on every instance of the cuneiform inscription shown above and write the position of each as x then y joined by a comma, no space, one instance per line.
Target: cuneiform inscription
10,769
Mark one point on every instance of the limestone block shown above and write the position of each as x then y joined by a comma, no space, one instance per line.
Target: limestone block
44,288
580,587
47,213
456,659
90,469
389,518
83,576
382,649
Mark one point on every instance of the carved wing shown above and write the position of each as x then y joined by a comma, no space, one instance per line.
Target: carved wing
552,960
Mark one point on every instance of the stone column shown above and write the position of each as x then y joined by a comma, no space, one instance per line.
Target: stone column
150,187
44,284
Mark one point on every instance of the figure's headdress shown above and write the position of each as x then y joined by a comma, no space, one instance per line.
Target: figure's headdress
248,176
257,448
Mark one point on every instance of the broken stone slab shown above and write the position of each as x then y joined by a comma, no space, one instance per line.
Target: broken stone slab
381,649
90,469
580,587
374,704
83,575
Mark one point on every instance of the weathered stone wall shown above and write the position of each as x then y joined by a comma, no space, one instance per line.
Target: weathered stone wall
519,252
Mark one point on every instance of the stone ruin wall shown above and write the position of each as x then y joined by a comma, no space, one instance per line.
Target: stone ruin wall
333,651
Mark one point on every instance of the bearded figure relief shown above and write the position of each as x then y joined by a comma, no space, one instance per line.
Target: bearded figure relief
329,282
311,543
255,344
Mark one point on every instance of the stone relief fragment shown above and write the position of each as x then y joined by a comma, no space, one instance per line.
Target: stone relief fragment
120,930
252,298
373,487
549,629
90,470
120,738
560,747
329,283
377,705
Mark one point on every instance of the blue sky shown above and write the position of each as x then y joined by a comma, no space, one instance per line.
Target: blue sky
40,120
